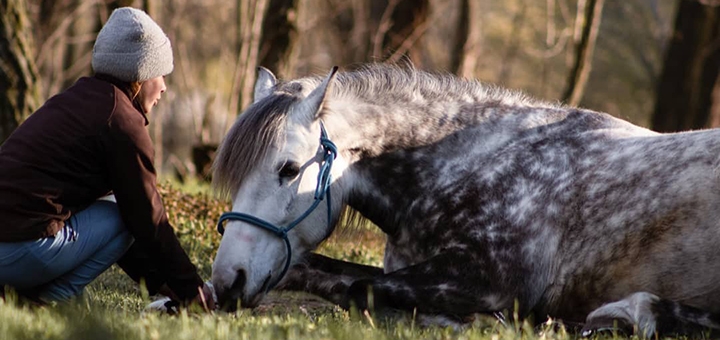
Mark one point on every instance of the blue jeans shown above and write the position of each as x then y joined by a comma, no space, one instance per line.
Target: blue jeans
57,268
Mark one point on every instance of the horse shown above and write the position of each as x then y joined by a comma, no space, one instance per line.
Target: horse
490,201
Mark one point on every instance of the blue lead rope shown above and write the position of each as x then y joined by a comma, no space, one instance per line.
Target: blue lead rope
321,190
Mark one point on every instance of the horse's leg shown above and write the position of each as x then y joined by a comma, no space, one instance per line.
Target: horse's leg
326,277
446,289
454,284
646,314
333,266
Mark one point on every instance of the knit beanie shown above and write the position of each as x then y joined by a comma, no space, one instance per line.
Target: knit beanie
132,47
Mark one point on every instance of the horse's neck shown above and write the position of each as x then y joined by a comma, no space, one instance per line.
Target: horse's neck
388,139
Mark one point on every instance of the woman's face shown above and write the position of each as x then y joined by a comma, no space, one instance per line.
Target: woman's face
150,92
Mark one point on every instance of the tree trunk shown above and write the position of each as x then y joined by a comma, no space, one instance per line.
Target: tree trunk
513,45
65,33
250,16
715,108
279,35
584,50
267,39
469,44
411,19
78,54
351,23
151,8
18,75
119,3
401,24
690,72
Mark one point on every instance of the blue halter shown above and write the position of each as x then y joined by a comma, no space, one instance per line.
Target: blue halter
321,190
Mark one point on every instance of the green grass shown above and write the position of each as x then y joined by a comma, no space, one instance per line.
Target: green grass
89,321
118,315
112,307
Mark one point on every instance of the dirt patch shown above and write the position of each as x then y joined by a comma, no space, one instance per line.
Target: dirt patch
295,302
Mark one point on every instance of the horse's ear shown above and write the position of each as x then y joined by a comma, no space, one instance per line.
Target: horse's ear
313,103
264,84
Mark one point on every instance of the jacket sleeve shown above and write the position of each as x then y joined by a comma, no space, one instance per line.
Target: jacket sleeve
133,181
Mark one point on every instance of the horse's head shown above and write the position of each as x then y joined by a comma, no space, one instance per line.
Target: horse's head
277,164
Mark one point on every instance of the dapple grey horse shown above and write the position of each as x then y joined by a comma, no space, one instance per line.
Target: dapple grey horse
488,198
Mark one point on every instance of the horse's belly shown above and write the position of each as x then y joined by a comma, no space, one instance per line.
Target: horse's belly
682,265
683,271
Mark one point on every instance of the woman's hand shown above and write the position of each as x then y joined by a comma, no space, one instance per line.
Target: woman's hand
206,297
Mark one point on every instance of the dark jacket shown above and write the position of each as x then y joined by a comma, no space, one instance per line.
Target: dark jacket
82,144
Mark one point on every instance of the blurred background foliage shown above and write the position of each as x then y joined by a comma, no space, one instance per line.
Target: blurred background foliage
652,62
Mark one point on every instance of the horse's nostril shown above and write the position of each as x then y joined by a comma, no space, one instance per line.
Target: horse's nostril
239,283
228,297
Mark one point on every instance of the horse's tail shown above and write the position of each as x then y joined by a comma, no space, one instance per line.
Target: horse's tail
647,314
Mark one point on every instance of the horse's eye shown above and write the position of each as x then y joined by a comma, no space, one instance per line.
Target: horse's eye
289,170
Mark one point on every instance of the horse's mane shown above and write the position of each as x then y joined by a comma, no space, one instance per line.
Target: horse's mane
248,142
372,80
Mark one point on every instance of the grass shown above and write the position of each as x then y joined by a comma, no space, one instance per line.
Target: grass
112,307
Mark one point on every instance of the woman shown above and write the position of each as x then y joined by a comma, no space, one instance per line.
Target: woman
56,236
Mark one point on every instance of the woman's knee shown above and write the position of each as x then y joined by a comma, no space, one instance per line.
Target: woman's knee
121,243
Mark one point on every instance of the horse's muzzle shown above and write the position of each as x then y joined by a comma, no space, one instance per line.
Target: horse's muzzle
228,297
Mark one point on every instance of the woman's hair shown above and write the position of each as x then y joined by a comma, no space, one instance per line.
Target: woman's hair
131,88
134,92
134,89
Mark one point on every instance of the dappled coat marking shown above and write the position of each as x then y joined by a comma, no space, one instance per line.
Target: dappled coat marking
486,197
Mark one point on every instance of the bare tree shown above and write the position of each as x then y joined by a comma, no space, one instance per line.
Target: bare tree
266,39
151,8
346,32
54,18
279,35
18,75
469,42
399,29
81,35
692,65
351,22
715,109
65,33
113,4
584,49
250,16
513,45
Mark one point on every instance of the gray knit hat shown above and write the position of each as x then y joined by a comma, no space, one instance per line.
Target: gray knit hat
132,47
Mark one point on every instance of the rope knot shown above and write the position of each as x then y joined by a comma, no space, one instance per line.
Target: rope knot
329,146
